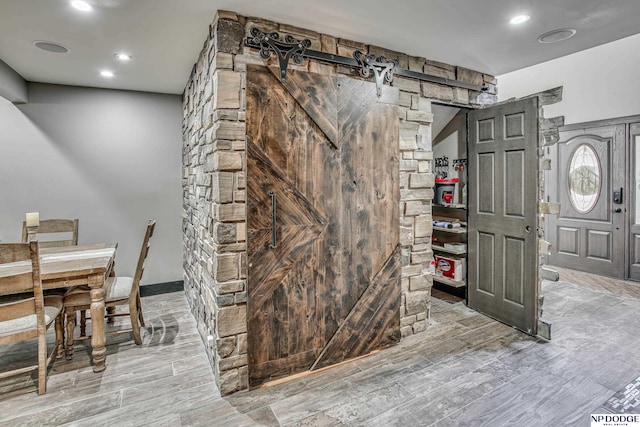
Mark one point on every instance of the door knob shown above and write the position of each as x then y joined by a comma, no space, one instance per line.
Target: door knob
527,229
617,210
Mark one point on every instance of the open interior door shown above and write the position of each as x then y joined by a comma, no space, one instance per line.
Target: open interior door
502,221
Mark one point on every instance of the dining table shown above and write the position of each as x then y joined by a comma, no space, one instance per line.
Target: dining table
68,266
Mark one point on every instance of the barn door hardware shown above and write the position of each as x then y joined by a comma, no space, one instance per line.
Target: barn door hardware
274,236
284,49
381,67
299,50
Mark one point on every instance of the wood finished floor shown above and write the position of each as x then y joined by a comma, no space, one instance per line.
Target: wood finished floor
625,288
466,370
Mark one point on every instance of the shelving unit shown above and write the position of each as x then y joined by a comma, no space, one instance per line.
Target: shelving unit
453,213
449,282
451,206
448,250
449,202
459,230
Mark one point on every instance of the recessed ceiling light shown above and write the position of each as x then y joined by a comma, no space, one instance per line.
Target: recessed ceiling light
123,57
519,19
557,35
106,74
81,5
50,46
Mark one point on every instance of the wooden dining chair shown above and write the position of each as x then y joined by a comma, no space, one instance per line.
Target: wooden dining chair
118,291
52,227
29,314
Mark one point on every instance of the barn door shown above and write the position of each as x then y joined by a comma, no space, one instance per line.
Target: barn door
503,182
322,221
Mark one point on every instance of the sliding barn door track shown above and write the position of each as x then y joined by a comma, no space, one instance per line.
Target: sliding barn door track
289,47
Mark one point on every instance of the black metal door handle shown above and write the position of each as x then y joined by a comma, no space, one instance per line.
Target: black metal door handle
274,235
617,210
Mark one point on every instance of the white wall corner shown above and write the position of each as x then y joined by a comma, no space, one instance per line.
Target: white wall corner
12,86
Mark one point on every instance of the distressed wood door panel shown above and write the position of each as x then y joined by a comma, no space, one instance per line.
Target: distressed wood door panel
372,323
370,300
370,188
289,155
317,96
356,99
337,194
502,241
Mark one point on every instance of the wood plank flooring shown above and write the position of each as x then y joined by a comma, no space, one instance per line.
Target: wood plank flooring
465,370
626,288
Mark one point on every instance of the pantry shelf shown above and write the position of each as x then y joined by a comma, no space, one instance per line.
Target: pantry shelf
448,250
451,206
450,282
459,230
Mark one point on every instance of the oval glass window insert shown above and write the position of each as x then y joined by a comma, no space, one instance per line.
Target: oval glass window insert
584,178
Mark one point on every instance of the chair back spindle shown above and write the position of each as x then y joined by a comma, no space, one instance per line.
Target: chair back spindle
144,251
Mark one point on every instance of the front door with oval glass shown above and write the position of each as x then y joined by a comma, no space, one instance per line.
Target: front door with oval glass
634,195
589,181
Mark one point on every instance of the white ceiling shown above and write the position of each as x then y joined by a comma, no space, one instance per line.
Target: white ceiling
165,36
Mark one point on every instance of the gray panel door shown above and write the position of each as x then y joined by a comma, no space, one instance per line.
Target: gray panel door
502,246
634,198
588,234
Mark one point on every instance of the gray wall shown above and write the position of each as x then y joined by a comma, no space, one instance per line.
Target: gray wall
110,158
12,85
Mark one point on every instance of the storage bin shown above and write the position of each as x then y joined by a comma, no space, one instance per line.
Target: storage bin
445,191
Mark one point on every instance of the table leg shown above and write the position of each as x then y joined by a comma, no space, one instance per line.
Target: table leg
112,310
98,340
71,323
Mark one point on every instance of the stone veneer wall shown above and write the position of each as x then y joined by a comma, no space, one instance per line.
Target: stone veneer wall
214,179
549,135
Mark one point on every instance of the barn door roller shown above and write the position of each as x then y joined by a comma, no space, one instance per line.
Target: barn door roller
381,67
284,49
